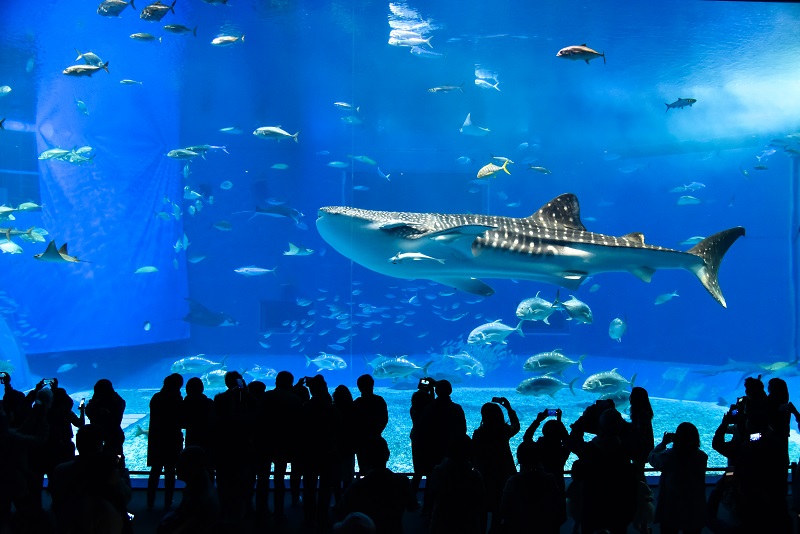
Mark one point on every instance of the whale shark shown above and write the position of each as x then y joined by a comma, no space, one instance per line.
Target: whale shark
550,246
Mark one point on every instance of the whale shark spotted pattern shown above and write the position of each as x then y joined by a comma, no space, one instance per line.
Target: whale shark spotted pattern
552,246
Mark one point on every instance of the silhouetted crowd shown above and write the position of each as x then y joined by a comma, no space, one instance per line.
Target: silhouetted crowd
235,442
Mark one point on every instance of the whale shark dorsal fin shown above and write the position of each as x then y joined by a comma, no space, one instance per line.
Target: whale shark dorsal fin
564,211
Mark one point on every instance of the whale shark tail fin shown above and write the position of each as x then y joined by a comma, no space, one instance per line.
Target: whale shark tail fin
711,250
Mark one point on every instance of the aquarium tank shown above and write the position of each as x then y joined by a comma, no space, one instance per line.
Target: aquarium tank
514,196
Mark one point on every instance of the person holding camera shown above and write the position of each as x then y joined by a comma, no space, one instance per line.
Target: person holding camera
681,504
420,400
606,477
553,447
14,403
492,453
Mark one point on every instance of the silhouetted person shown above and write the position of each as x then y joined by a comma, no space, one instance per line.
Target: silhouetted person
105,410
318,454
346,439
381,494
456,492
198,410
164,439
492,453
681,505
638,439
14,486
300,389
552,447
370,414
234,417
443,421
199,510
282,416
261,460
608,480
532,501
16,406
420,400
90,493
39,458
781,411
355,523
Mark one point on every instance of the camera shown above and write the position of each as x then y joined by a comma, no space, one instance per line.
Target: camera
240,383
552,412
498,400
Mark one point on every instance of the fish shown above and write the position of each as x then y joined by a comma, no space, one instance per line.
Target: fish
550,246
338,164
274,132
63,368
466,361
146,269
200,315
363,159
346,106
688,200
222,226
145,37
252,270
352,120
326,361
666,297
147,326
463,160
81,106
580,52
233,130
410,41
618,327
84,70
544,385
90,58
537,309
553,362
226,40
470,129
294,250
491,169
483,84
681,103
621,399
414,256
156,11
607,382
446,88
280,210
139,431
57,255
2,122
195,365
112,8
397,368
13,232
130,82
262,373
542,170
180,29
577,310
214,379
9,247
226,185
182,153
731,366
280,167
494,332
381,174
594,287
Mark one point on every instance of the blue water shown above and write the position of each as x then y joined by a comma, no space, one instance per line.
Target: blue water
601,129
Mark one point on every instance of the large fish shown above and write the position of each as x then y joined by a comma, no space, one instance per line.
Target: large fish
552,246
199,314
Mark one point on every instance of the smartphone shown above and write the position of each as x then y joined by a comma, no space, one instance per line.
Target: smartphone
734,412
83,403
552,412
740,400
498,400
755,437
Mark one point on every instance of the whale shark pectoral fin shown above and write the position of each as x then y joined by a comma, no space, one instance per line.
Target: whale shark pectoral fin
460,238
468,285
392,225
644,273
570,279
